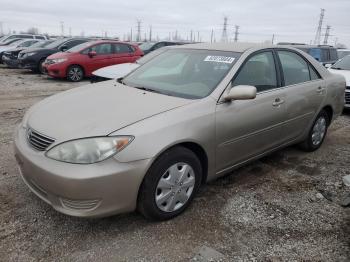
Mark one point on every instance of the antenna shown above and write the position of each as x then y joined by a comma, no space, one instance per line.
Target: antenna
319,28
224,31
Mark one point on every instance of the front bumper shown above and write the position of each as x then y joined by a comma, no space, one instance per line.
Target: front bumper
10,62
95,190
55,70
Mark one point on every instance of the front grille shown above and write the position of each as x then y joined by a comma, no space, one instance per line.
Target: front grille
347,97
80,204
38,141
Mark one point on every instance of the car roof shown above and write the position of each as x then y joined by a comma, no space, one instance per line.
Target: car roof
233,47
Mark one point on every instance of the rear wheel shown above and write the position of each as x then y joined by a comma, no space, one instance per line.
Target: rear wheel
170,184
75,73
317,133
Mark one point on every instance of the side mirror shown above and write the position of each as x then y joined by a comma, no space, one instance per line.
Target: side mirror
328,65
91,54
240,92
63,48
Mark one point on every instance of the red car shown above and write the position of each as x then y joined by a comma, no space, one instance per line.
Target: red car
81,60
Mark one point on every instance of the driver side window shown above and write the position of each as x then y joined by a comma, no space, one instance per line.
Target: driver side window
259,71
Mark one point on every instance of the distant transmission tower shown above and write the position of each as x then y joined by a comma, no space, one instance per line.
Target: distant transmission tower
224,31
319,28
138,37
326,36
62,28
236,32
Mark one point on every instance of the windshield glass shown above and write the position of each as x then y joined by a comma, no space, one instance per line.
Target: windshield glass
342,53
78,48
146,46
343,64
56,43
183,72
41,44
151,55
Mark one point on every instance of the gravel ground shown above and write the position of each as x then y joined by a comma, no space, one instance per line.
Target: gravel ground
270,210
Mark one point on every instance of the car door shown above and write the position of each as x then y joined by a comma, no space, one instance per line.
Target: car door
247,128
103,57
123,53
305,91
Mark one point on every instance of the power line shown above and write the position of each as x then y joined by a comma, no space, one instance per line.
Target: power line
319,28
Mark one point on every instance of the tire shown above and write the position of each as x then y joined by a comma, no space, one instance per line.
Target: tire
316,134
163,196
40,68
75,73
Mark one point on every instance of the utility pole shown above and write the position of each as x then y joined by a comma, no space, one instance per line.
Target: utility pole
138,39
150,33
236,33
176,35
328,29
62,28
198,37
224,31
70,31
319,28
191,36
1,29
212,36
131,34
273,38
169,36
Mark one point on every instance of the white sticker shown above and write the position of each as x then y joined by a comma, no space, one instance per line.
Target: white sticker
219,59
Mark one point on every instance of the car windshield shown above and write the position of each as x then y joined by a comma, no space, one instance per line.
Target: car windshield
56,43
342,64
151,55
342,53
183,73
41,44
78,48
146,46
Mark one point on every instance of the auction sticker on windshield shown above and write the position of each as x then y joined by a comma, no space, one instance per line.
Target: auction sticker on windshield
219,59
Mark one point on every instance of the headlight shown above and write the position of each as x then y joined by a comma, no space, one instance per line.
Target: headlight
89,150
29,54
58,60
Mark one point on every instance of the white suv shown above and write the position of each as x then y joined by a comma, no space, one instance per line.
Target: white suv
24,36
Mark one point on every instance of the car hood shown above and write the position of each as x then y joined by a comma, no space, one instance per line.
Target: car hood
96,110
345,73
116,71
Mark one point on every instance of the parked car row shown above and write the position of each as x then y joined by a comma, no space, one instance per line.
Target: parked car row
72,58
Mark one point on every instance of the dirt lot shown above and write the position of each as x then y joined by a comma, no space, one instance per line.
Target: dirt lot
270,210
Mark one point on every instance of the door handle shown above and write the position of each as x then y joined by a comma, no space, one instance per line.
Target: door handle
278,101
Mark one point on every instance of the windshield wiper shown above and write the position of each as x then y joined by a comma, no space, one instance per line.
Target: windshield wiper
337,68
147,89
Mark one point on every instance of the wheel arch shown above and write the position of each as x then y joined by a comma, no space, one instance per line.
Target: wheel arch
329,110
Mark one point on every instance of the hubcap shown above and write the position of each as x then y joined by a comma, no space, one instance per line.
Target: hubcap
175,187
75,74
318,131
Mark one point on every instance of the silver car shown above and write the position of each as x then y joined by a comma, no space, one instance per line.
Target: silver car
190,115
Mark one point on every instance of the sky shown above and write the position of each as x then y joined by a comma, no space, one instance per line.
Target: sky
258,20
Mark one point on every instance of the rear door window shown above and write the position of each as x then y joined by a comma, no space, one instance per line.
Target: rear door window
295,69
258,71
122,49
102,49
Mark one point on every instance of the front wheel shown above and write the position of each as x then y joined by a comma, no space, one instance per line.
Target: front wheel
170,184
317,133
75,73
